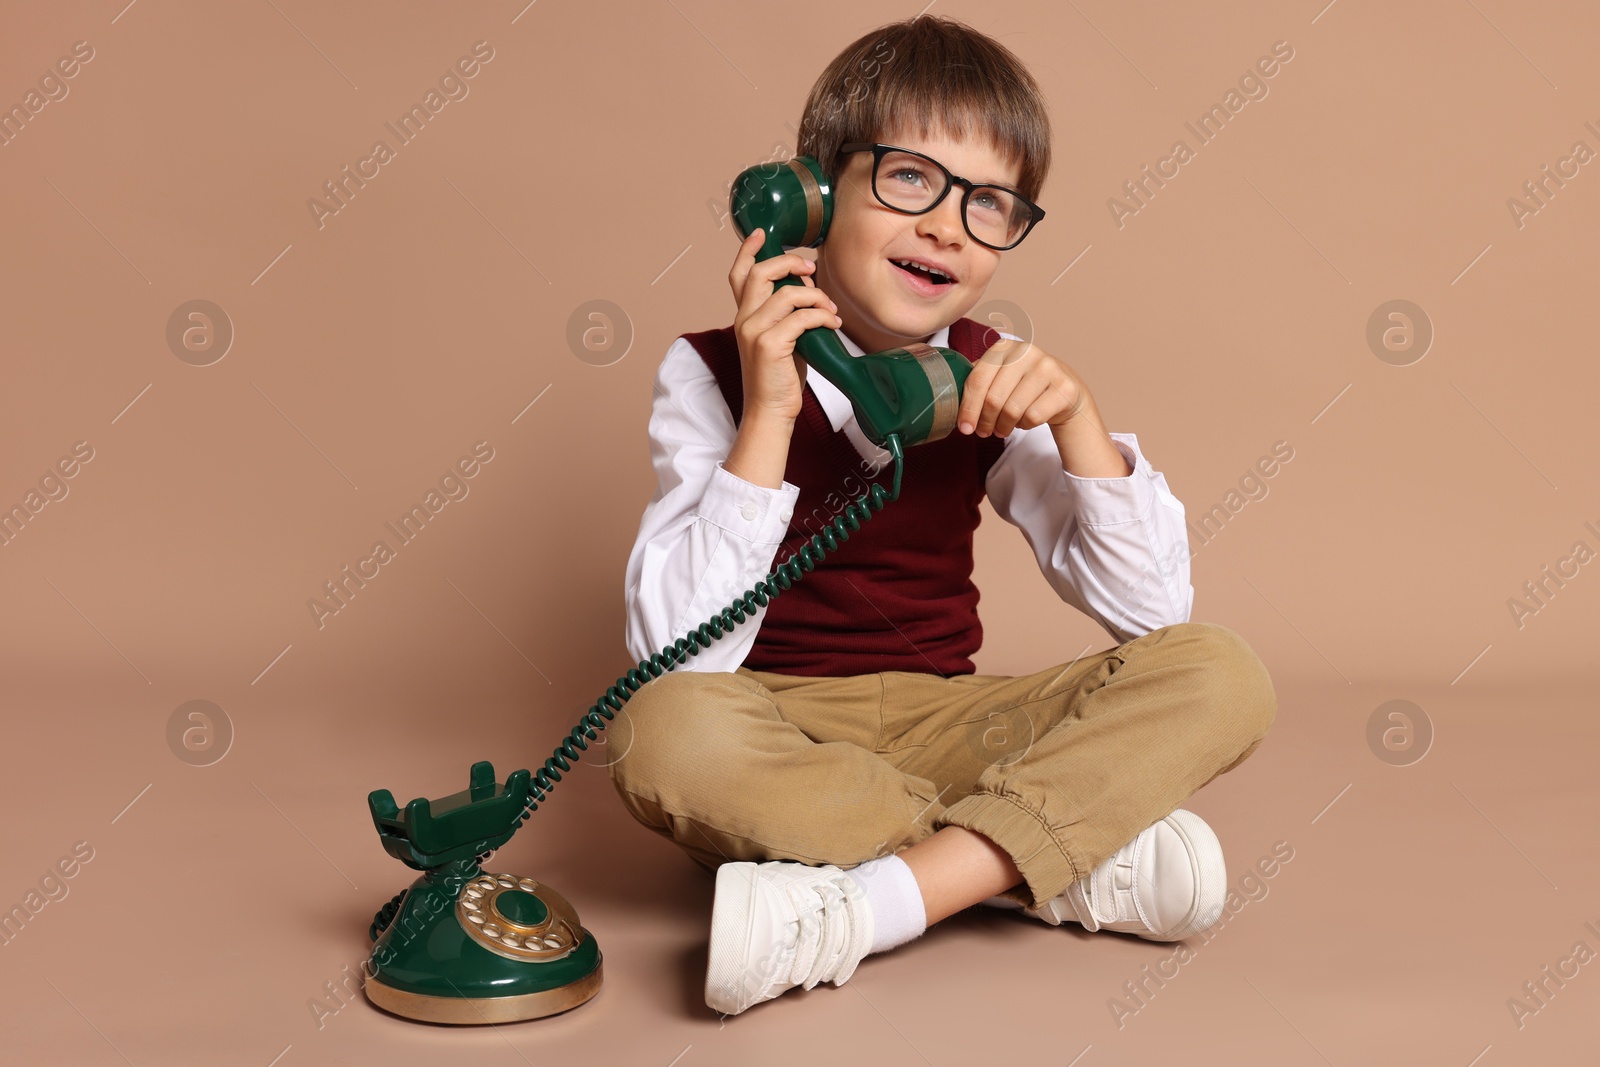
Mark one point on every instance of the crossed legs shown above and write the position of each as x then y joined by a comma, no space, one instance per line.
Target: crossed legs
751,765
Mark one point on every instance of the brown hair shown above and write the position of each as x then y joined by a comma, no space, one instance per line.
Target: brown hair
924,73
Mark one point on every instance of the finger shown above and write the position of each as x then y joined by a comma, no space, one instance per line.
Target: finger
790,263
1005,352
782,306
1060,397
743,261
745,266
761,279
972,395
1004,382
979,380
1023,396
788,331
1046,407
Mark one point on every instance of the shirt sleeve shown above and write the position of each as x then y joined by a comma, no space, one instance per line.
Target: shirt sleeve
707,535
1116,549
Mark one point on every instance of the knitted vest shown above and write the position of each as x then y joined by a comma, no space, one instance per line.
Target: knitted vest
898,595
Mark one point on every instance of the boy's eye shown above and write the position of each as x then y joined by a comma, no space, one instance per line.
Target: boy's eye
909,175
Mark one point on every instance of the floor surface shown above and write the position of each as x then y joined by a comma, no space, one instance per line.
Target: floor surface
1417,901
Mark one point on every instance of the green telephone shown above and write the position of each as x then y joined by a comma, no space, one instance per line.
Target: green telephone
464,945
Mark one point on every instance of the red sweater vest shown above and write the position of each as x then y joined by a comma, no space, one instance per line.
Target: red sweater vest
897,596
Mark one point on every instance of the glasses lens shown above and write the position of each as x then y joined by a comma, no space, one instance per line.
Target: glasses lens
997,216
908,182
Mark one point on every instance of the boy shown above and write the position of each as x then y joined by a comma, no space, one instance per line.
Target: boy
834,759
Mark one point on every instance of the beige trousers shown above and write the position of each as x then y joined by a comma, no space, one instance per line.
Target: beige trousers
1059,768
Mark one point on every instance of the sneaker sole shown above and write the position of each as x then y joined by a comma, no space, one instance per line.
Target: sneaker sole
732,913
1207,867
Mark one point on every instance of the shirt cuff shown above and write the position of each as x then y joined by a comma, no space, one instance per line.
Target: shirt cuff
1108,501
754,512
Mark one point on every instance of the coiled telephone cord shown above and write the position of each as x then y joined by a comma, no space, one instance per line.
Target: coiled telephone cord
767,589
782,577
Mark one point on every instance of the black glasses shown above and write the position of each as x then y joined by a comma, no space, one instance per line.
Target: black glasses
915,184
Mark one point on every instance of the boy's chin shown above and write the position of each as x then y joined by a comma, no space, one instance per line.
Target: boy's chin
899,316
923,322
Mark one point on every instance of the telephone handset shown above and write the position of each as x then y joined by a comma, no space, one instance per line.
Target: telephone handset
913,393
465,945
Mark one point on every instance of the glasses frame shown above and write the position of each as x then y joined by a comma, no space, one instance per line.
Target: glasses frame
951,181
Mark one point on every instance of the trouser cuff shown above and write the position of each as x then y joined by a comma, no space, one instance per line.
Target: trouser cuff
1046,867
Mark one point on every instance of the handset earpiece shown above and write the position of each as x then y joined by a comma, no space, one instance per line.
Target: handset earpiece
912,393
792,202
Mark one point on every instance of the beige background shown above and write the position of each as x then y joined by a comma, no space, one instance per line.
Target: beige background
589,161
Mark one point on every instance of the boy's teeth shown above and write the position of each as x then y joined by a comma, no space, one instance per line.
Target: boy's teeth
920,267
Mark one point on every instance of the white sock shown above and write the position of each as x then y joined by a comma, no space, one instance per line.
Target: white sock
897,912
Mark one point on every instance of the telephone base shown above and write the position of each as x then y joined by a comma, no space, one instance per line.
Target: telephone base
474,947
464,1011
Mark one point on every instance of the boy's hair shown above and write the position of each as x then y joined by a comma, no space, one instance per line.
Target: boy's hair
926,73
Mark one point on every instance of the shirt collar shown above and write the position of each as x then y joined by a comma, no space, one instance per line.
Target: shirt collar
837,406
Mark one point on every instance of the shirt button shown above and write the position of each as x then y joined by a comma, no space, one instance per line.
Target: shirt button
748,510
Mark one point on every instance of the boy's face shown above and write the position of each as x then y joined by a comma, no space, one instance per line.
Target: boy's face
881,305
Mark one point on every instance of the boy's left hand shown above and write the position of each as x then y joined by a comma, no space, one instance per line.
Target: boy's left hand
1017,383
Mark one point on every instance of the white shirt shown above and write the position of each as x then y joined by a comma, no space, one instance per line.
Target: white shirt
1116,549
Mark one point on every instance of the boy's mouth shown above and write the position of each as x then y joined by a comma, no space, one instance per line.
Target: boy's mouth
923,273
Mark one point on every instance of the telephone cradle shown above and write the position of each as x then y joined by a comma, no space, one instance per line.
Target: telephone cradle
468,946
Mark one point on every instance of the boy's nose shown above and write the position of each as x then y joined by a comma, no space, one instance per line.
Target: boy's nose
944,222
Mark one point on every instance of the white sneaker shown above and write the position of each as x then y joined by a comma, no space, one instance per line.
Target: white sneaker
1164,885
780,924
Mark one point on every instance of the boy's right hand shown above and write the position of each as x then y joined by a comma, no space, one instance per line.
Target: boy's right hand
770,318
